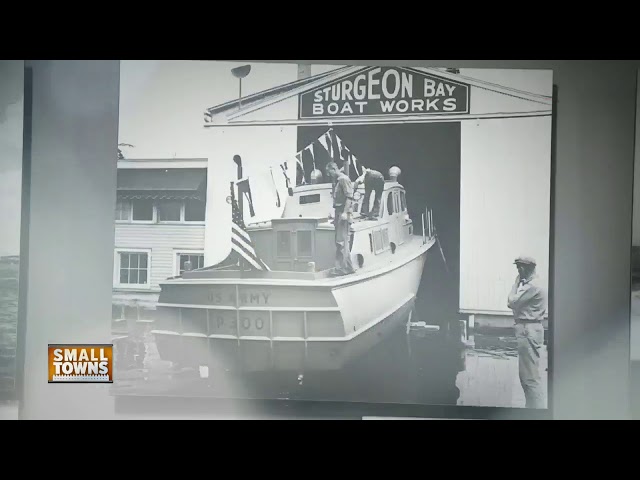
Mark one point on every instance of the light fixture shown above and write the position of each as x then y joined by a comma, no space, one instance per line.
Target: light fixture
240,73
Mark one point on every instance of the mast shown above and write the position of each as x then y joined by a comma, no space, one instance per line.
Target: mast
238,161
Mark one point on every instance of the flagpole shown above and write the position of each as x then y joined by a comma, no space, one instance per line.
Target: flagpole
239,199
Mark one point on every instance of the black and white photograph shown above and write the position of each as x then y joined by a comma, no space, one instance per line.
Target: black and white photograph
11,130
351,233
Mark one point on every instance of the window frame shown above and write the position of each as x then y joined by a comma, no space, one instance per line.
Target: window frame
289,254
129,211
155,220
116,269
183,214
183,251
156,212
390,202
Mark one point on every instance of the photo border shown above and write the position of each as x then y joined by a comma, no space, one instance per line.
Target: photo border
185,405
17,393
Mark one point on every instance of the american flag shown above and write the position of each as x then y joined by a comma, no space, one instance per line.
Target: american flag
241,241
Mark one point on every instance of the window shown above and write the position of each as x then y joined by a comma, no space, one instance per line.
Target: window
385,238
169,211
142,210
196,259
194,211
304,199
377,240
380,240
390,203
284,244
304,243
132,268
403,201
123,210
160,211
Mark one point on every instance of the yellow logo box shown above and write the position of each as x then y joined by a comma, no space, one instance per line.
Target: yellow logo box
75,363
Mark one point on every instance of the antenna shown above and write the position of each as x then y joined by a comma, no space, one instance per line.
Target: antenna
240,73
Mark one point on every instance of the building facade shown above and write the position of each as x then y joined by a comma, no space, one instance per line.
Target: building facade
489,141
160,218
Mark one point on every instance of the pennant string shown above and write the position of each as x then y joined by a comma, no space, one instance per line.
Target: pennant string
335,148
355,164
313,157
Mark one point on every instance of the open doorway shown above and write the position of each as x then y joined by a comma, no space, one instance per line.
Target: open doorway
428,155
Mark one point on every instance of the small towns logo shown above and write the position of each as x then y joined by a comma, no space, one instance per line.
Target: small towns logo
81,363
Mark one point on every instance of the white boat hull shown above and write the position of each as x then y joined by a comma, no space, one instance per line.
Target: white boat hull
316,326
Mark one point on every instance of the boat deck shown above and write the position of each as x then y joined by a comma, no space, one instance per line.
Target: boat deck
388,261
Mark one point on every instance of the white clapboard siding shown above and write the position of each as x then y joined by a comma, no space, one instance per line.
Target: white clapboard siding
164,241
504,207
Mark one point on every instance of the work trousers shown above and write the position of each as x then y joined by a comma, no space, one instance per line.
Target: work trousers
530,339
343,266
374,185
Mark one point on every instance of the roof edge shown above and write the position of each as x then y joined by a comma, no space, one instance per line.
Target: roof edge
256,97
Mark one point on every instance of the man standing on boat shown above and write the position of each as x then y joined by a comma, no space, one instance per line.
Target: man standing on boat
373,182
342,204
528,301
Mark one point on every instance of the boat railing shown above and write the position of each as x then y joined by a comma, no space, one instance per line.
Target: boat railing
428,229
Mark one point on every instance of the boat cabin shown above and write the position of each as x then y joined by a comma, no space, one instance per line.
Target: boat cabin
303,239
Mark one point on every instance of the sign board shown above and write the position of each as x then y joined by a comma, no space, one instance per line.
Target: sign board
80,363
385,91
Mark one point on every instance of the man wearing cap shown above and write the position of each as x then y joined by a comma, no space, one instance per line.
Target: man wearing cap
528,301
342,204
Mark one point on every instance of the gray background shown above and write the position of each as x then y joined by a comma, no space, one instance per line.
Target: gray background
71,232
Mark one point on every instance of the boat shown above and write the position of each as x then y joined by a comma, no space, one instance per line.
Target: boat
293,315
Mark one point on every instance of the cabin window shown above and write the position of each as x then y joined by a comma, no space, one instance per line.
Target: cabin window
377,241
194,211
403,201
371,242
196,259
304,199
169,211
396,201
385,238
123,210
304,243
284,244
132,268
390,203
142,210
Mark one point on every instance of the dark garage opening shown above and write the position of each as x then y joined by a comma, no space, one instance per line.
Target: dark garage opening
429,156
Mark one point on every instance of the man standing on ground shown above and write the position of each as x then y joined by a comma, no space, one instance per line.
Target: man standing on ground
342,204
373,182
528,301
